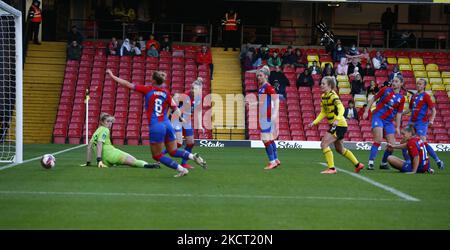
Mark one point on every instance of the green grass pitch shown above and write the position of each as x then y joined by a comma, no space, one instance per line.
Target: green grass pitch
234,193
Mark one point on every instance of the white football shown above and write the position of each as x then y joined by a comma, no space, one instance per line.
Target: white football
48,161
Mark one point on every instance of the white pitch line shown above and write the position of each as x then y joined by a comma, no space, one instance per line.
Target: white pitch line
377,184
232,196
39,157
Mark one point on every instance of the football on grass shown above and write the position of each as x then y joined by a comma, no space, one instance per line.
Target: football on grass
48,161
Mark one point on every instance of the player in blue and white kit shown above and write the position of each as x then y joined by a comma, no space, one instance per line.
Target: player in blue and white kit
268,112
188,102
419,105
157,103
390,105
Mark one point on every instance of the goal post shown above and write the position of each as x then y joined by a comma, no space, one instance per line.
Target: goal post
11,80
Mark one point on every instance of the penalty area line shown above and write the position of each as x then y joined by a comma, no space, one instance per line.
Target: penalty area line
377,184
39,157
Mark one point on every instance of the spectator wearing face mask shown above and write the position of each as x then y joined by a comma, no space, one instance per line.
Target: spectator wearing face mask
339,53
353,52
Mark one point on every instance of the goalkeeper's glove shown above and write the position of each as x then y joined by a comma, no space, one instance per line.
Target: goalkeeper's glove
100,163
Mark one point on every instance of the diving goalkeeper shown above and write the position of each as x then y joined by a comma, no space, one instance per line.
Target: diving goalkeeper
107,154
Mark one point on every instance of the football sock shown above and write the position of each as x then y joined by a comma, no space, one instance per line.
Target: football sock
374,151
349,155
329,157
188,148
274,148
431,152
166,161
269,150
405,154
180,153
386,154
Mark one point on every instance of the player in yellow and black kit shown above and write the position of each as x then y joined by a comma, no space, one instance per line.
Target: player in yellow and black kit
333,110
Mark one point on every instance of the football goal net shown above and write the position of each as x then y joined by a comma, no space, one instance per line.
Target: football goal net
11,148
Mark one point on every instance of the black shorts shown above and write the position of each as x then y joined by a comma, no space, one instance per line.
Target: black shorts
338,131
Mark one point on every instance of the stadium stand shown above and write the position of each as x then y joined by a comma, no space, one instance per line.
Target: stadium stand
130,126
303,104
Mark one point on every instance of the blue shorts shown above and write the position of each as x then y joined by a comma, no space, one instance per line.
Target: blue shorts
407,167
388,127
162,132
421,128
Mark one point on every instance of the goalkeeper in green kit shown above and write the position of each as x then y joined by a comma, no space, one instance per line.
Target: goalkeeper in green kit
107,154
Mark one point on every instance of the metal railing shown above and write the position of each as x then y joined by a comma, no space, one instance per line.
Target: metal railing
435,34
425,34
178,32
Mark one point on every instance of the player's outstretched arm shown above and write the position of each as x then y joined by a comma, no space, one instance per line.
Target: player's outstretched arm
99,155
120,81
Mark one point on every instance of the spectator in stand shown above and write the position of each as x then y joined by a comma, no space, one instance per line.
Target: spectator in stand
328,70
141,43
289,58
248,60
314,69
274,60
113,47
152,52
373,89
74,51
361,113
125,49
166,44
256,60
394,73
365,55
342,67
279,81
74,35
351,112
339,53
353,52
357,85
305,79
379,62
354,66
204,57
300,59
264,52
245,48
368,71
152,41
135,51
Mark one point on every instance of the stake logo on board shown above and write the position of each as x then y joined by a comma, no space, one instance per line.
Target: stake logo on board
210,144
